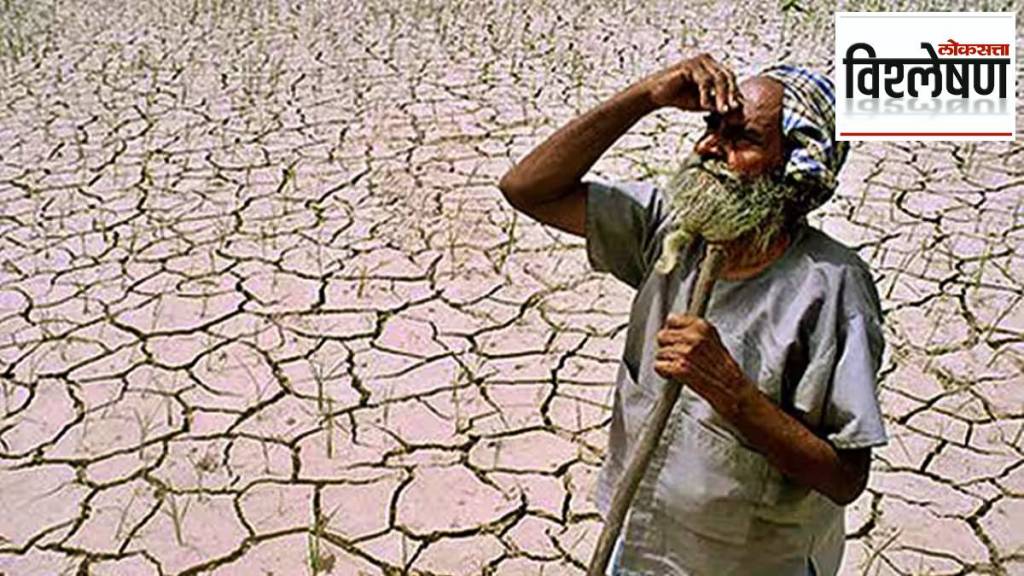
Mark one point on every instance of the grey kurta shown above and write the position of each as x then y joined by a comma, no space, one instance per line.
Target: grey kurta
807,330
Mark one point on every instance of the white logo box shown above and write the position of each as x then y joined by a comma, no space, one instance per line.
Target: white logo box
946,117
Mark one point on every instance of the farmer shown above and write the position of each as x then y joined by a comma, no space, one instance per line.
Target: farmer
773,431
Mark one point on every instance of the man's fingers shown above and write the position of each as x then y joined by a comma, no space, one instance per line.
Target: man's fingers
680,320
698,83
662,368
673,353
696,324
722,83
735,96
667,337
665,368
734,91
727,94
671,368
683,339
666,353
722,91
705,84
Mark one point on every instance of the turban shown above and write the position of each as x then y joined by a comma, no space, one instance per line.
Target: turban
808,128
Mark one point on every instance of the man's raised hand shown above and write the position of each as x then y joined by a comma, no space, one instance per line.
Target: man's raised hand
695,84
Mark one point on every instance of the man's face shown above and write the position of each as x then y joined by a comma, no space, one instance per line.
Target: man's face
748,139
727,188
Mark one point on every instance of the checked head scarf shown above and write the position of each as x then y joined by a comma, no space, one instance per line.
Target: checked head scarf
808,126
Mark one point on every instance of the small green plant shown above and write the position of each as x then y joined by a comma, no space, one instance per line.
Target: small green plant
175,512
320,562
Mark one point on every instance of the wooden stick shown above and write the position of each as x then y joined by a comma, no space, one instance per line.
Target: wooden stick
714,258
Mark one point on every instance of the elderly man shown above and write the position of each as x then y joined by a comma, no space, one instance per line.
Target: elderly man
773,431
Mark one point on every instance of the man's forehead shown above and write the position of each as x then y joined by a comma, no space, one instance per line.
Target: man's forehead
762,104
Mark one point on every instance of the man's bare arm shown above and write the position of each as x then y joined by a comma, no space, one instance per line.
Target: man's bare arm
797,452
547,183
691,351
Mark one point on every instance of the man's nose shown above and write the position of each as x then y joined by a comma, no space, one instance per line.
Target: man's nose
710,146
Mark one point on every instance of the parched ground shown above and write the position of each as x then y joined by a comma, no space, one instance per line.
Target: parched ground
264,311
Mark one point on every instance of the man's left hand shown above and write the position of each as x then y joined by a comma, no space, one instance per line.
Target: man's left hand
691,352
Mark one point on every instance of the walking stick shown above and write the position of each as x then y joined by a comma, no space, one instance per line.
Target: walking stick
714,258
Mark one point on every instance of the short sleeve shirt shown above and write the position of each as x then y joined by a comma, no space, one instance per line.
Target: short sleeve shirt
806,330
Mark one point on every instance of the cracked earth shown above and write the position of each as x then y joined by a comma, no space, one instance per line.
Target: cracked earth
263,310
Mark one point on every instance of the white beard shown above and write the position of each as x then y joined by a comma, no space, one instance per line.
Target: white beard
707,199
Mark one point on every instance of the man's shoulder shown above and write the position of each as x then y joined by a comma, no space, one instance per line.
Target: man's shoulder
824,250
837,265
